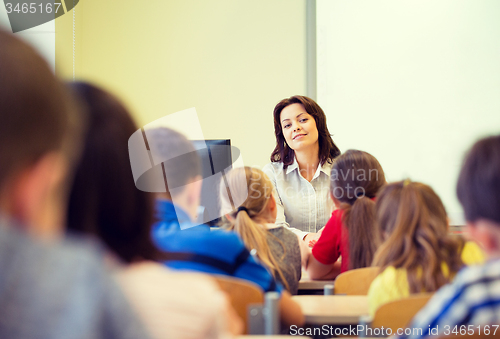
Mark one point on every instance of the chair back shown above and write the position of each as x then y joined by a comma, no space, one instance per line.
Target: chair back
398,314
355,282
241,293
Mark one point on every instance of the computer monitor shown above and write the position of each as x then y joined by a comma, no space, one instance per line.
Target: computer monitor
215,158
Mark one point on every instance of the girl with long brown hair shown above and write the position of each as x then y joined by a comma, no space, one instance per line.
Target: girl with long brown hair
356,178
276,247
417,255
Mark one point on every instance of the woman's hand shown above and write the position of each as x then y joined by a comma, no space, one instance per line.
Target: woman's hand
311,238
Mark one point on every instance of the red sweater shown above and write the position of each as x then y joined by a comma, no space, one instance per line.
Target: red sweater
333,243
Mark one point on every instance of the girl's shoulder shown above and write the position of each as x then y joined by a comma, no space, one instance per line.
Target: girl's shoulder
336,219
391,275
283,233
285,242
472,254
391,280
390,284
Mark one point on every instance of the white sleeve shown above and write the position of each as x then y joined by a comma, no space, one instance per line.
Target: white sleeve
280,213
299,233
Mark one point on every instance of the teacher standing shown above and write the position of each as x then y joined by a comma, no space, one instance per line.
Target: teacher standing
300,166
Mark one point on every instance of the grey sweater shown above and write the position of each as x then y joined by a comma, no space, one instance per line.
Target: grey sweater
59,291
285,244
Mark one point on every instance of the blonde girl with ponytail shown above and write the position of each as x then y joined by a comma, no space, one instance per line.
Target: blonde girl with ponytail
250,207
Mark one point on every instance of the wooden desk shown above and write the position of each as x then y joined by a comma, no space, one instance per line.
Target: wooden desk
314,284
332,309
305,283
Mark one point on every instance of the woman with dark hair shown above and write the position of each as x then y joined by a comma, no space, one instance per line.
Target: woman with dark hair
301,164
105,203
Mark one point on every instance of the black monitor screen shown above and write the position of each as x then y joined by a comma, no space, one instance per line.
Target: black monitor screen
215,157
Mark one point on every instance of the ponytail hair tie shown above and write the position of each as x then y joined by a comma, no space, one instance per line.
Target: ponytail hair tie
242,208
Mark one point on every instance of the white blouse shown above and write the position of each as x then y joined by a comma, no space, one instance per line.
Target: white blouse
302,205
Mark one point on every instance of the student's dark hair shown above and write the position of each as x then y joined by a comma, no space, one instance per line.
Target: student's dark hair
37,113
183,163
104,200
282,152
412,220
356,178
478,187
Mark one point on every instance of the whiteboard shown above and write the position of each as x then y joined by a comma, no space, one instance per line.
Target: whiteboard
414,83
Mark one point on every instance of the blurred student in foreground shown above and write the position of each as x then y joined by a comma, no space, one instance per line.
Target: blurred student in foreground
472,301
104,202
49,287
198,248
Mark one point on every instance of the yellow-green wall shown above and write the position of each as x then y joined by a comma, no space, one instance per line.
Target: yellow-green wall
231,59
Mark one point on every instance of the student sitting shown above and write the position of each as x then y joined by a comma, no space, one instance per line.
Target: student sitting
198,248
472,300
417,255
104,202
278,248
176,207
356,179
49,287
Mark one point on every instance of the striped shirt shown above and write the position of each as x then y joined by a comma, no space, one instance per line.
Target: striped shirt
471,301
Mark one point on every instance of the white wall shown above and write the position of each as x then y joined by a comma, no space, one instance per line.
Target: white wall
42,37
412,82
231,60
